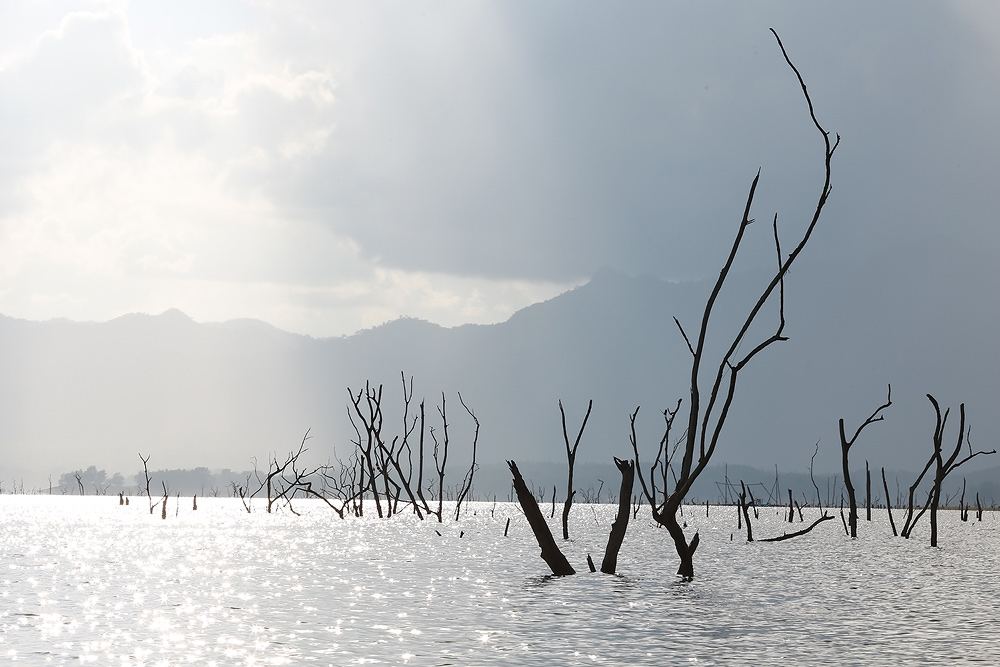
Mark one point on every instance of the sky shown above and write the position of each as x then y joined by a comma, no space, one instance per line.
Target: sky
326,167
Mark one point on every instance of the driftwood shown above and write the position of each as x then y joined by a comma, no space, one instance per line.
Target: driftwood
788,536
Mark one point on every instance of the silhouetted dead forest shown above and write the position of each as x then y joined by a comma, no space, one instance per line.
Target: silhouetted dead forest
410,468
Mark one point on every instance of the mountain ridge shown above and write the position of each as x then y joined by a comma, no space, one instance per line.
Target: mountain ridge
215,394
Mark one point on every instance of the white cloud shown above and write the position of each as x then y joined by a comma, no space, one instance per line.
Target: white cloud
456,161
137,182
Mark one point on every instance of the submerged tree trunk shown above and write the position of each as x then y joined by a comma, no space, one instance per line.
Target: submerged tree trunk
963,511
743,508
868,492
551,553
888,505
610,563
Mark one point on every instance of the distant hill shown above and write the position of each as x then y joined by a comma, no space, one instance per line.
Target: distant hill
193,394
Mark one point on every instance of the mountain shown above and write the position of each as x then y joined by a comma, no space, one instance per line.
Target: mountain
199,394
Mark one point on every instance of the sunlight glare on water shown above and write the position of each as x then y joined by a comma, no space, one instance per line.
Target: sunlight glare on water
85,581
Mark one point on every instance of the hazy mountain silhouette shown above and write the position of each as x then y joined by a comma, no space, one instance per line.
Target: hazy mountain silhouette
74,394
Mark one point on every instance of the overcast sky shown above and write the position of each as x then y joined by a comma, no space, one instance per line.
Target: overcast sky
329,166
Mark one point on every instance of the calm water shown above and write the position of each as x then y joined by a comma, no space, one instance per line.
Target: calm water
86,581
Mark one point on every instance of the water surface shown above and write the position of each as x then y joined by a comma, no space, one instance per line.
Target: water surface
85,581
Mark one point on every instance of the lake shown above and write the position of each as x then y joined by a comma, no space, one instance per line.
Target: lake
85,581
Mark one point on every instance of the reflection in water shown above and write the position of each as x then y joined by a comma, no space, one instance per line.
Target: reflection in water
84,581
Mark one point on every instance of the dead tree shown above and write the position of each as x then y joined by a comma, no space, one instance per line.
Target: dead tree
467,481
845,448
551,553
868,492
571,463
909,520
944,466
145,472
408,427
441,455
743,509
420,459
163,501
371,418
812,460
390,458
610,563
272,481
706,422
963,511
888,503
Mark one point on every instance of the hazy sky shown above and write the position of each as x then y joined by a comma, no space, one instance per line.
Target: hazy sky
328,166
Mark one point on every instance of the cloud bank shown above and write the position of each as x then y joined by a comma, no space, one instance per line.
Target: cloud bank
327,167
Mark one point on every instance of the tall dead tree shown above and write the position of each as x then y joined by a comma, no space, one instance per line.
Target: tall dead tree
441,454
570,463
945,466
370,415
706,421
812,460
845,449
420,459
466,487
145,472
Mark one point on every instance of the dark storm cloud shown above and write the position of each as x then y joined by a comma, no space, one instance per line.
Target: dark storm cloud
548,140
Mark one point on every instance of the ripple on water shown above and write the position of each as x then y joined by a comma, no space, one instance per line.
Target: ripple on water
86,581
